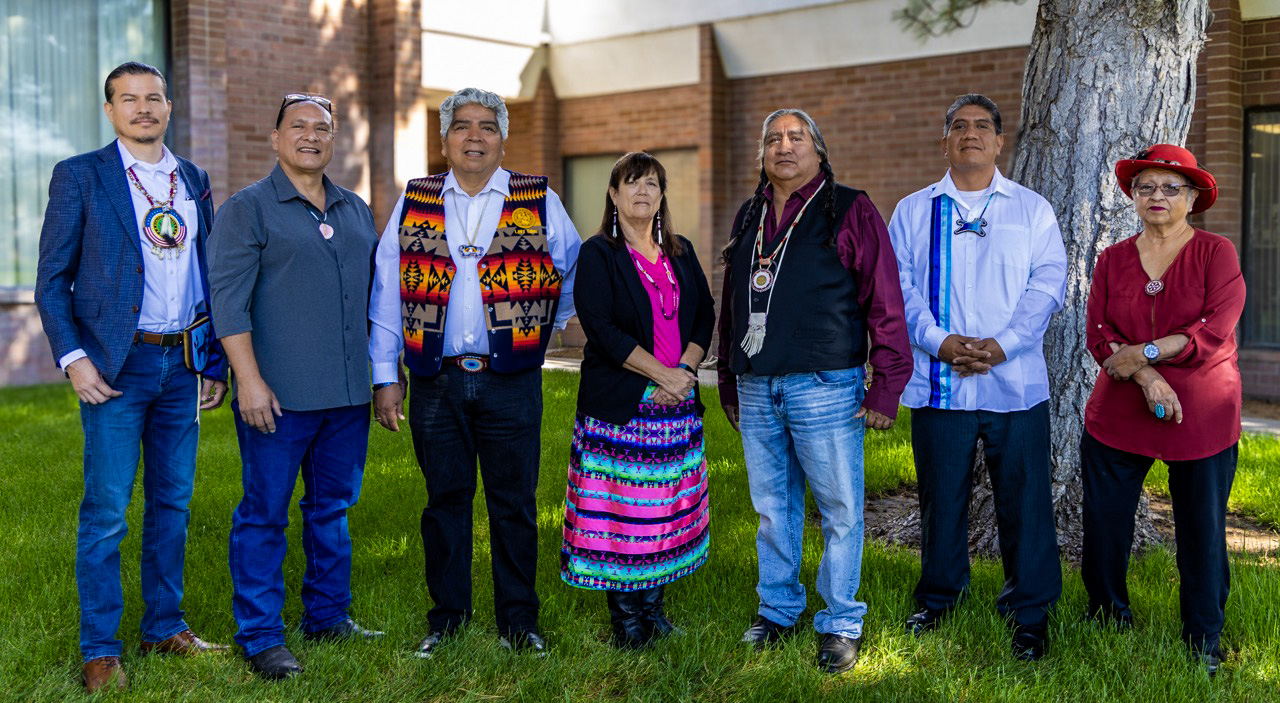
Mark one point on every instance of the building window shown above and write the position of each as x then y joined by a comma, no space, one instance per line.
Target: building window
1262,229
56,54
587,180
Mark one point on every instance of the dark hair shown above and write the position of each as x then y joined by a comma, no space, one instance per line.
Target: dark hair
981,101
757,203
131,68
295,98
633,165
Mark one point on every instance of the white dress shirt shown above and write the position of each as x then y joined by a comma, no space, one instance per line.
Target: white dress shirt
172,293
1005,285
464,326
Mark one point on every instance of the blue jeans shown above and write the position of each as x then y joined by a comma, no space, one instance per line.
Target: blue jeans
329,446
795,427
156,412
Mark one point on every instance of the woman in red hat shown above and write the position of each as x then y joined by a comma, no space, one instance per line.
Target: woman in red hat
1161,321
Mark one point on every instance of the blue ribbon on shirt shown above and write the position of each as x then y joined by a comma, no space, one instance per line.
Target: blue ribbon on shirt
940,295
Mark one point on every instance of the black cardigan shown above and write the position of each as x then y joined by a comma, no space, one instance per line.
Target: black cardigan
616,316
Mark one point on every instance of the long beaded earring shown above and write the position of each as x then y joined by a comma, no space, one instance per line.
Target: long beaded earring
658,224
615,221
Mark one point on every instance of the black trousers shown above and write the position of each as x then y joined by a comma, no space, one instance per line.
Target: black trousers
1016,445
1199,489
456,418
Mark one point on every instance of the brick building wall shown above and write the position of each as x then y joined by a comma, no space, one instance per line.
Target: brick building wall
233,60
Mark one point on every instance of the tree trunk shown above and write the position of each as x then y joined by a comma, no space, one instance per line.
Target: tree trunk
1104,79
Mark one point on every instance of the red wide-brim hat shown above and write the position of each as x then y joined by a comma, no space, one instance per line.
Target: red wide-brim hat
1170,158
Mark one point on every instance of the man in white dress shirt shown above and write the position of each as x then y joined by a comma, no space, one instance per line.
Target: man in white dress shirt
474,271
983,268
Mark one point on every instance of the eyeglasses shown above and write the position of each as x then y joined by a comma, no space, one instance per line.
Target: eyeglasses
1146,190
295,98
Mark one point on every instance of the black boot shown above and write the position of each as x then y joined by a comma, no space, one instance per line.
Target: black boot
653,602
631,629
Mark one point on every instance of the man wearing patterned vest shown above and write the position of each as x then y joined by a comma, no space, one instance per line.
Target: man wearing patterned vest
473,273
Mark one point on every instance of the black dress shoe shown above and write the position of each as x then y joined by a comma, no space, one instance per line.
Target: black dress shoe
1210,661
837,653
347,629
275,663
924,620
430,643
525,641
1108,616
765,631
1029,643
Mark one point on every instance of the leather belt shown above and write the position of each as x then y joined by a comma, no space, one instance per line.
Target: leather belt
171,339
471,363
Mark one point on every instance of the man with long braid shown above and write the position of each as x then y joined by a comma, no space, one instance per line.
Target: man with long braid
474,271
809,277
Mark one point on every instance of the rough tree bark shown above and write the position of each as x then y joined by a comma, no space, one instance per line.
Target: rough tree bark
1104,79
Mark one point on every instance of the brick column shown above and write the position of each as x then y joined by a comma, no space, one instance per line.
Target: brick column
715,207
1223,119
396,111
198,86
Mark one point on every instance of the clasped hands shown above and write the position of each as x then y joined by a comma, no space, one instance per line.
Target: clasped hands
971,355
674,386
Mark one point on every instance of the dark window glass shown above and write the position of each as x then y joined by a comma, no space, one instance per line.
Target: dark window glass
1262,229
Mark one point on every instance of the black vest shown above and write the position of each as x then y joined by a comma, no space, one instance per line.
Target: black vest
814,321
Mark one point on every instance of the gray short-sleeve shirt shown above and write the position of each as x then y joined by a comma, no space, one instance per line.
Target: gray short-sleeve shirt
304,298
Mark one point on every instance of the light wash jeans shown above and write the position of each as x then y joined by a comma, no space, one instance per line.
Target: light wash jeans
796,427
155,420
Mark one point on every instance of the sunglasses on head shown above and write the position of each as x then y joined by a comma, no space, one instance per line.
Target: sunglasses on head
295,98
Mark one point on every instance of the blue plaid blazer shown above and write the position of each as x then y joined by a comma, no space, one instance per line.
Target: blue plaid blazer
89,280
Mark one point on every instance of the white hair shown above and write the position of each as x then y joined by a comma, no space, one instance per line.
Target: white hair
466,96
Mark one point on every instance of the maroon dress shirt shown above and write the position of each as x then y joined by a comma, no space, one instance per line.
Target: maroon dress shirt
1203,298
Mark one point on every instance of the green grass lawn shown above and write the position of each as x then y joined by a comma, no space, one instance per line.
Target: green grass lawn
967,659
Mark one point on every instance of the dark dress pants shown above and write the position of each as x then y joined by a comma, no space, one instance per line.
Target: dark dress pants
1199,490
456,418
1016,445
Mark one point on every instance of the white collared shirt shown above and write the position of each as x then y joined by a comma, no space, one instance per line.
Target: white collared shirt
171,293
1005,285
464,325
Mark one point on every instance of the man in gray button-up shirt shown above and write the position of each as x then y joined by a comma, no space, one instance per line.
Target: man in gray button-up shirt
289,269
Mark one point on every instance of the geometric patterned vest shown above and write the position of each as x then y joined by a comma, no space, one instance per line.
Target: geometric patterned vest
519,284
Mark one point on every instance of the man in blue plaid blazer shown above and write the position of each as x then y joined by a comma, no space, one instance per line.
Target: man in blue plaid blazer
121,275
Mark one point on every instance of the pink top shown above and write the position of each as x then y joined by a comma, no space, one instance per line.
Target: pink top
1203,297
663,300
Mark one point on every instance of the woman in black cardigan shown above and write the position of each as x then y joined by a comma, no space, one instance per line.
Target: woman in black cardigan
636,512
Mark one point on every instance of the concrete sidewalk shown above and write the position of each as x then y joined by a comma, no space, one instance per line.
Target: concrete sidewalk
707,377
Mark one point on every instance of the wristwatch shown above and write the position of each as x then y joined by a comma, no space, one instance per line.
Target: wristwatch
379,386
1151,351
688,368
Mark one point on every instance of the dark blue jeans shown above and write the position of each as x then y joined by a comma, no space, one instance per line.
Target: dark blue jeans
156,412
456,418
329,446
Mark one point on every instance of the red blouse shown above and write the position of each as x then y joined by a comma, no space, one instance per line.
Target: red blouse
1203,298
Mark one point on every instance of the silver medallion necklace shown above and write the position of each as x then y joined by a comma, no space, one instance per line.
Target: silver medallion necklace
766,275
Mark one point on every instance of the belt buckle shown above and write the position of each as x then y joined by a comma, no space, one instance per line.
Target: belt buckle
471,363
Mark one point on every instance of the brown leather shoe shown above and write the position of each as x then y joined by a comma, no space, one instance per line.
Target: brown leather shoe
184,642
103,672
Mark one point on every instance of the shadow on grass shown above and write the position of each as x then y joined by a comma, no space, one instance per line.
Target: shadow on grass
967,659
